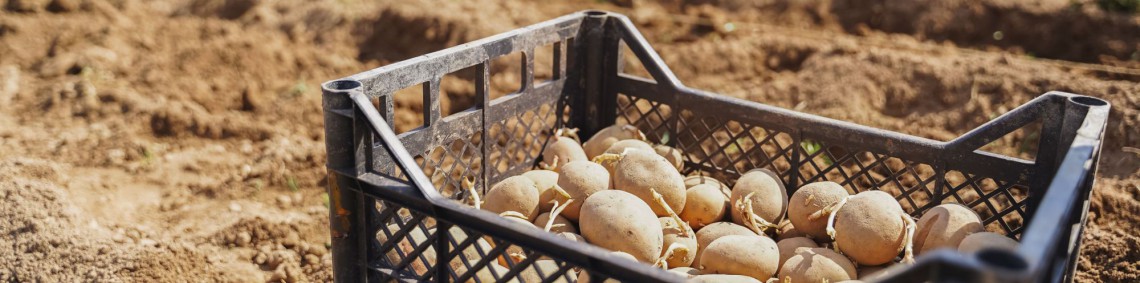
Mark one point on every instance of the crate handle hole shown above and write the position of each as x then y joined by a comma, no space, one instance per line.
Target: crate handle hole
343,85
596,13
1002,258
1088,101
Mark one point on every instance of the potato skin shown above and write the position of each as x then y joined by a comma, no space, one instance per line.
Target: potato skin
565,149
723,278
685,271
581,179
619,221
545,180
789,246
606,137
787,230
770,200
584,277
752,256
694,180
639,172
944,226
710,233
516,193
561,224
818,265
673,234
865,272
671,154
620,146
548,267
986,240
869,228
704,204
810,199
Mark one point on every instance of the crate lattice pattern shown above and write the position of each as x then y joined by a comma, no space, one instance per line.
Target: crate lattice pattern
404,249
724,149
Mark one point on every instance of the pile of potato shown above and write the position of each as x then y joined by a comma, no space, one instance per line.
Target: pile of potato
618,192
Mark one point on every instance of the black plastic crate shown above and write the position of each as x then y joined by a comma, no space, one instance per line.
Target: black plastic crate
391,194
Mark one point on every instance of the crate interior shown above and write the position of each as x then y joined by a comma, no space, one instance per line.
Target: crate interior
712,144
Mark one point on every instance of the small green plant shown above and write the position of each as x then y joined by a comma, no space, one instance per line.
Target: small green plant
811,147
1123,6
258,184
148,157
298,89
292,183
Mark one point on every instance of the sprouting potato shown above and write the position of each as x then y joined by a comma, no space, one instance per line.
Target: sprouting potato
871,228
603,139
517,193
817,265
753,256
986,240
643,172
680,242
580,179
548,191
704,204
944,226
619,221
807,209
558,225
711,232
758,200
560,151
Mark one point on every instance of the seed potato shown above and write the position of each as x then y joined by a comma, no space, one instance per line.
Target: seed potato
517,193
807,207
643,172
765,191
607,136
817,265
704,204
789,246
619,221
545,181
870,228
752,256
580,179
944,226
560,151
711,232
986,240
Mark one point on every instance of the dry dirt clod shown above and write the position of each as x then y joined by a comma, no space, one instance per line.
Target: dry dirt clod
9,83
60,6
27,5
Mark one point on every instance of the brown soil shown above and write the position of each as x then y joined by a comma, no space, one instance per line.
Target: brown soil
166,140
